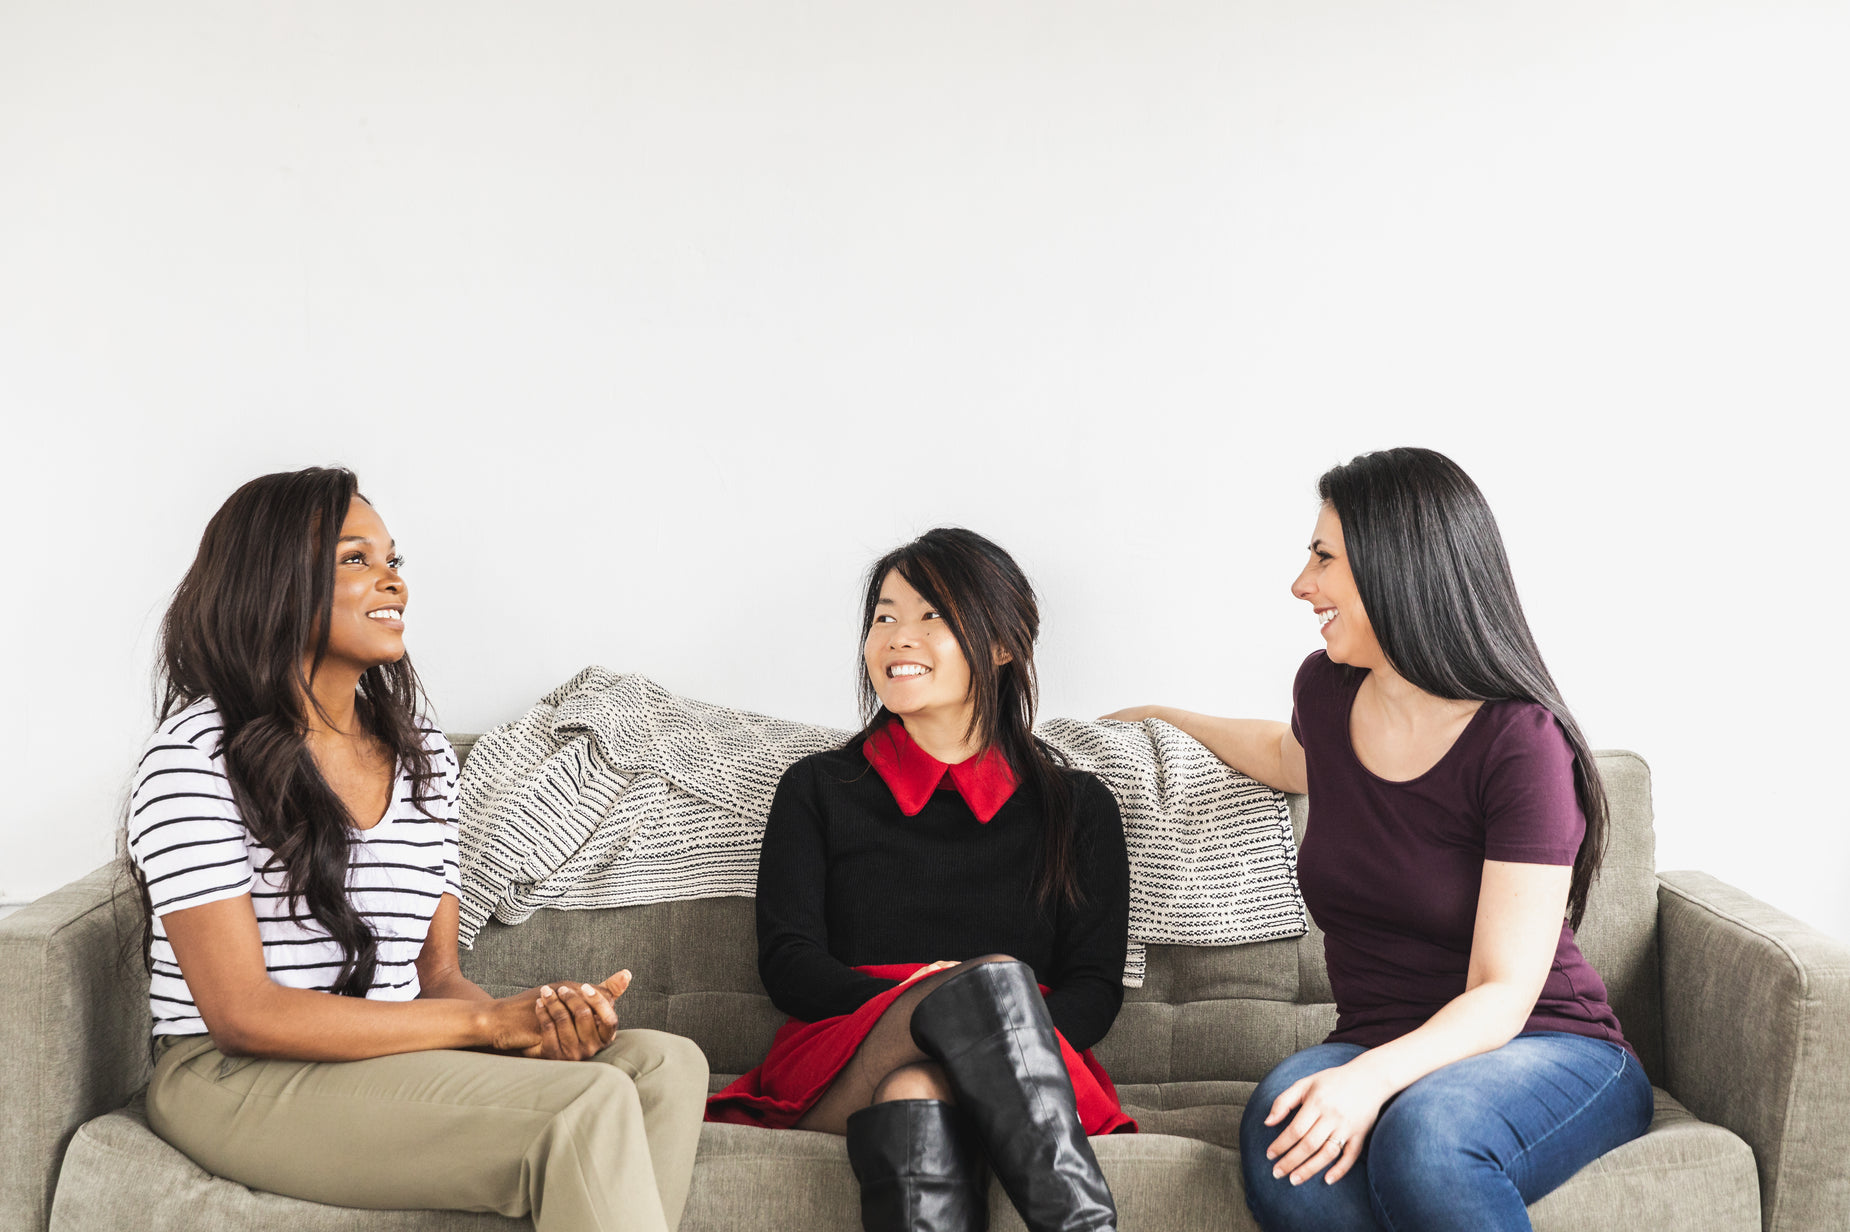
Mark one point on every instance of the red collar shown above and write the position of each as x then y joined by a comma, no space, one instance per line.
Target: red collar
985,781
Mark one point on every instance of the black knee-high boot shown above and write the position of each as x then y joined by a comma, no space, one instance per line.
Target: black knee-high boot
989,1029
920,1168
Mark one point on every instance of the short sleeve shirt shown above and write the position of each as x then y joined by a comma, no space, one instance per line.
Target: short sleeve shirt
191,844
1391,870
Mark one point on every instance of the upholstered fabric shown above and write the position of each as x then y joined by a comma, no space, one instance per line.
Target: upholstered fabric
1751,1032
1182,1177
1757,1035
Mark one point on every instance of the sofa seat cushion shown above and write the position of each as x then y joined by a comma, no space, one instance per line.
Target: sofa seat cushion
1185,1178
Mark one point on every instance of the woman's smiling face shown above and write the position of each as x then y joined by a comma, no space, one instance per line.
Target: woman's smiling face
367,625
1329,587
912,657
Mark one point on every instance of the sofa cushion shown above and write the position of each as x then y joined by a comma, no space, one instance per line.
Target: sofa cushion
1203,1013
1180,1177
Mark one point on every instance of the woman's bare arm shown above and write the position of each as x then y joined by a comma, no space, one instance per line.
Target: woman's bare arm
220,953
1262,749
1519,913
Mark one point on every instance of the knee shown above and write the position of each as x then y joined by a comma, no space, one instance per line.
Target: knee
1425,1143
668,1060
683,1059
919,1080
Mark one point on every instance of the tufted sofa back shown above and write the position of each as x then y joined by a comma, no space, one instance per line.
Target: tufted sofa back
1204,1013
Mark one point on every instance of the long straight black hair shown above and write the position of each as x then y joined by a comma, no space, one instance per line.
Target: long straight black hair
255,605
989,605
1429,565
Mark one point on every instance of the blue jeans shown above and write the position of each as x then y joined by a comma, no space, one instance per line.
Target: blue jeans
1467,1147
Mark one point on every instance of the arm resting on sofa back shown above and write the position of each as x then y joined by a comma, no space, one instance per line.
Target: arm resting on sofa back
1757,1039
73,1030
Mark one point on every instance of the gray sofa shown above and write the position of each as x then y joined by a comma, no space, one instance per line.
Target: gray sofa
1740,1013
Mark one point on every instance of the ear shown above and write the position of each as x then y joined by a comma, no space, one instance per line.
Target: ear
1003,656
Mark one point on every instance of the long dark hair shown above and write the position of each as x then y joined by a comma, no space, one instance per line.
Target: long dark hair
258,598
989,605
1429,565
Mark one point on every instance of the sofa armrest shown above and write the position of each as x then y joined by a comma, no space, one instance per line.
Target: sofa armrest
1757,1039
73,1030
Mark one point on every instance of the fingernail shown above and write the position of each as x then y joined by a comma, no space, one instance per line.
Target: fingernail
588,990
1295,1180
1277,1174
546,991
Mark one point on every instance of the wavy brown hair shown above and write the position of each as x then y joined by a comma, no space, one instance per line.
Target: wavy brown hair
989,605
248,628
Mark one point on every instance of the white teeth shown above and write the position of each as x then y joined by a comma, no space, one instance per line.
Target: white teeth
385,613
906,669
1324,618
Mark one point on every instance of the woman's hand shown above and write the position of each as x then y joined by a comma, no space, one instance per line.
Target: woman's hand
559,1022
1336,1110
577,1021
1136,714
928,969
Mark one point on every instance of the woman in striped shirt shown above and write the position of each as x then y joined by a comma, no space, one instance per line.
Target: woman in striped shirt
293,829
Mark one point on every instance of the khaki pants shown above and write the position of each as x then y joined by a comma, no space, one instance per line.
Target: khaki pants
605,1145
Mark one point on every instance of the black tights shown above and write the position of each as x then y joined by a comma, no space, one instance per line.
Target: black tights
888,1065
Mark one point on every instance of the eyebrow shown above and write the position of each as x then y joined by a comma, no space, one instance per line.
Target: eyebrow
362,539
887,603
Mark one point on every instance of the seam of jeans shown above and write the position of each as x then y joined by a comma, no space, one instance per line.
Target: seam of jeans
1381,1207
1624,1058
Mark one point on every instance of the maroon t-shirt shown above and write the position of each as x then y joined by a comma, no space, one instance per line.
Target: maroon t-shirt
1391,870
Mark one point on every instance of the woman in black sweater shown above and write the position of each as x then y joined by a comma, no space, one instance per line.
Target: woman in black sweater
919,890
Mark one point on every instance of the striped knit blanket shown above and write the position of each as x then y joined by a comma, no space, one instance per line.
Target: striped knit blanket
612,791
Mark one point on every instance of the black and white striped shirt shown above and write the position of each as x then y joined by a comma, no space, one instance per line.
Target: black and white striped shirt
190,843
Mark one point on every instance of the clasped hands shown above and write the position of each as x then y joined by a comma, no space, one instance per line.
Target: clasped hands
561,1021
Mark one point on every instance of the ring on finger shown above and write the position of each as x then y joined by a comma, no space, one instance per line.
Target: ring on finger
1338,1143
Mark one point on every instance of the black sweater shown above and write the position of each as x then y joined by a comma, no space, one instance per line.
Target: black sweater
846,880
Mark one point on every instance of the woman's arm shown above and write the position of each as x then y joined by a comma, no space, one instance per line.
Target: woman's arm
577,1020
803,979
221,956
1261,749
1518,926
1086,982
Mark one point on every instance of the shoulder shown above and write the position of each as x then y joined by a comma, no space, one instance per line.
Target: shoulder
1524,733
1317,676
182,755
1093,802
198,727
819,771
442,754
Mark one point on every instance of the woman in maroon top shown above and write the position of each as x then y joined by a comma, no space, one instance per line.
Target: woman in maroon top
1457,819
942,910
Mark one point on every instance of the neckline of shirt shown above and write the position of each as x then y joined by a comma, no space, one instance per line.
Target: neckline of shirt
985,781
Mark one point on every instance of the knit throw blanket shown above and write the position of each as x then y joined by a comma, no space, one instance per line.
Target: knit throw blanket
612,792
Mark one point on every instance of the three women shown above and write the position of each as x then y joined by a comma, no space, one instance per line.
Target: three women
942,905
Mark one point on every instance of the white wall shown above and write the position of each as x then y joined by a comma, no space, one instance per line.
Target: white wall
647,326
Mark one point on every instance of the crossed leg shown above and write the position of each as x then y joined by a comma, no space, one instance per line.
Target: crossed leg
888,1065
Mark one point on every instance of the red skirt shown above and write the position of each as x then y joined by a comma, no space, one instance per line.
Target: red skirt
805,1057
